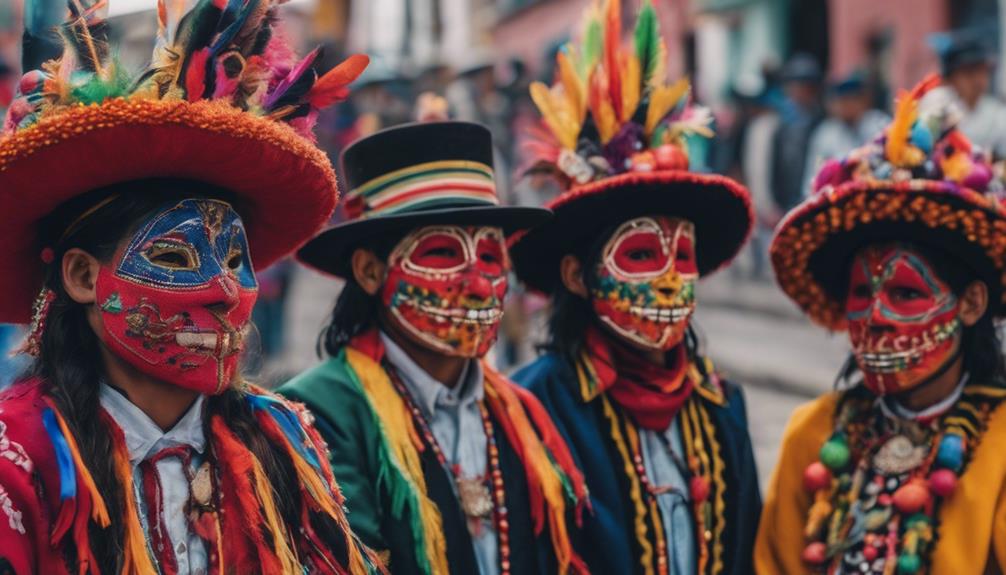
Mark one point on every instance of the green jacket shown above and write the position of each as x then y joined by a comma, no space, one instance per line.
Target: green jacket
351,428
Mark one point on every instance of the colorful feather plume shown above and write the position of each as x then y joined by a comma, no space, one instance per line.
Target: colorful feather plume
608,106
647,40
898,149
223,50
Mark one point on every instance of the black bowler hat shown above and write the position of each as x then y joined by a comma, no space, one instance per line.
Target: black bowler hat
412,176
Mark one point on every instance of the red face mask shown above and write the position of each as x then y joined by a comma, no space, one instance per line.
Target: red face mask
904,320
176,303
445,287
644,285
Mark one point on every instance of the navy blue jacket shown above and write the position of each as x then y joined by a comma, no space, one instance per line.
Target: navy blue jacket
608,540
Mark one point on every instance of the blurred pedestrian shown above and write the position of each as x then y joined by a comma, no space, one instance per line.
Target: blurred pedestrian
800,114
662,439
7,85
967,65
850,122
900,469
446,465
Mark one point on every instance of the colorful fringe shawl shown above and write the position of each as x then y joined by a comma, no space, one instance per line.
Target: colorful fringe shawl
249,520
552,478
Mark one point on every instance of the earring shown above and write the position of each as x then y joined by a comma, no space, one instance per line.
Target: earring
40,312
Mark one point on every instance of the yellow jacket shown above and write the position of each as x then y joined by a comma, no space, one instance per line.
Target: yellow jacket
972,522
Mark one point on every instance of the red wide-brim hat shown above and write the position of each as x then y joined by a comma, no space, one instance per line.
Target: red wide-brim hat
814,245
283,186
718,207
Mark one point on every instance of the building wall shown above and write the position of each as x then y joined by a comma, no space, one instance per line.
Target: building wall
911,21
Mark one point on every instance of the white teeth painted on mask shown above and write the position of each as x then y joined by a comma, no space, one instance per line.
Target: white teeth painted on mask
197,340
661,315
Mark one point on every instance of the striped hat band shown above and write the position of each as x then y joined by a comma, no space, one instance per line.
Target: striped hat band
432,185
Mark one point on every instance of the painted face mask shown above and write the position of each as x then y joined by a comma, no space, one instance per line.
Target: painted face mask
445,286
903,319
176,304
644,288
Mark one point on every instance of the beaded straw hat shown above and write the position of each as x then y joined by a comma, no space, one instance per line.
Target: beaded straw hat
626,144
224,102
921,181
435,173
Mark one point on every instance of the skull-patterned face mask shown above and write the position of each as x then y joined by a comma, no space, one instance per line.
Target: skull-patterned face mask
445,287
904,321
643,288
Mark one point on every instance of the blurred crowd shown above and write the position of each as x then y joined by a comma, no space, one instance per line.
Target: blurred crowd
773,130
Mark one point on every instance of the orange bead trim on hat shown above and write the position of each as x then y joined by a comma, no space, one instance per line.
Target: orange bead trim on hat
914,201
213,116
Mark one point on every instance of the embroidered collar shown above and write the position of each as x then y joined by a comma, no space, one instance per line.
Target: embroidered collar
143,437
892,409
429,393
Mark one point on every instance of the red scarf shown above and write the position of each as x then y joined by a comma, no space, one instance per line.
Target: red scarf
650,394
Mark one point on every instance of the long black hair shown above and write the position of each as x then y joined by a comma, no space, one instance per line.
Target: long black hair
981,345
355,310
70,366
571,315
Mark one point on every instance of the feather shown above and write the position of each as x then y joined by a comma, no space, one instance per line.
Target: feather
695,121
334,85
631,86
239,10
600,107
195,32
896,146
228,70
573,87
592,43
647,40
659,73
662,100
294,78
99,88
195,78
86,33
612,51
561,121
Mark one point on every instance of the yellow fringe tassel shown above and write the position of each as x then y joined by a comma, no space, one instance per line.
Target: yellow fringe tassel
635,492
537,458
98,510
397,427
274,523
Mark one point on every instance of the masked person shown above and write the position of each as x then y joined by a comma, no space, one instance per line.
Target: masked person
900,469
662,440
140,207
447,466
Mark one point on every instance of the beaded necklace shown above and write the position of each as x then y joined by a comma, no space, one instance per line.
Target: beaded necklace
880,481
493,483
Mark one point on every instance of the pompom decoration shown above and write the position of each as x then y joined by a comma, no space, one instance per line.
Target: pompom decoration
942,482
835,453
911,497
699,488
951,452
909,564
816,477
815,553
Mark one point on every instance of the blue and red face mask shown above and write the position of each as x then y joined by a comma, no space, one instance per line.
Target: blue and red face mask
176,302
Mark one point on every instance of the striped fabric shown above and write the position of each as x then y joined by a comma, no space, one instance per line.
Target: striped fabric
446,183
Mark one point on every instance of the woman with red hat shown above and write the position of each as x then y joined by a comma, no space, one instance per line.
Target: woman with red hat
903,245
137,209
661,438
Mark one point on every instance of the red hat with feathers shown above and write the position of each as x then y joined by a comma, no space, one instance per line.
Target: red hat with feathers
625,143
223,102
